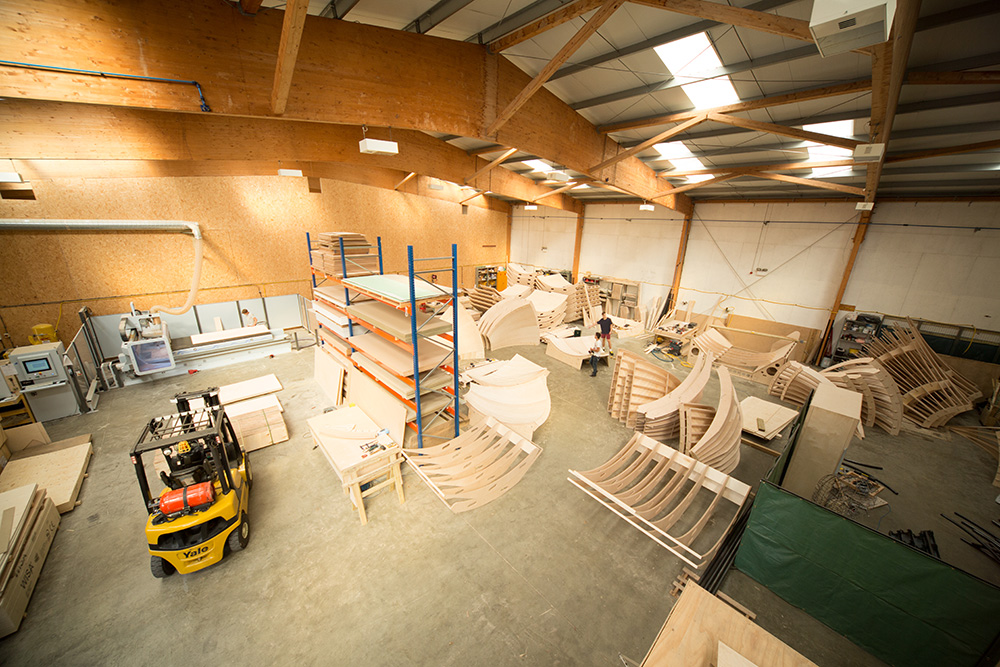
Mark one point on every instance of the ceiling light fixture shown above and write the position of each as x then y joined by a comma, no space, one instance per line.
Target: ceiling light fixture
531,207
435,184
377,146
290,172
646,206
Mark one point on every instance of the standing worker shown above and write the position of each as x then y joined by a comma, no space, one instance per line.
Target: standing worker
595,352
249,319
605,324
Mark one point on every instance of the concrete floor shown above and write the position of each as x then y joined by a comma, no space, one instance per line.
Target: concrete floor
542,576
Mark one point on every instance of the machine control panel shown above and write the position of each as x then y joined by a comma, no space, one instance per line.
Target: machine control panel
38,363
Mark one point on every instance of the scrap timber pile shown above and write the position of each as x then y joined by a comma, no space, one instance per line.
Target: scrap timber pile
932,392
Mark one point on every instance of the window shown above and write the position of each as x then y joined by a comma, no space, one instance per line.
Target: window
825,153
688,60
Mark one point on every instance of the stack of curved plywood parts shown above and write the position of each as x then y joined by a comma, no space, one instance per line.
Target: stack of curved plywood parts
475,468
758,366
883,404
718,444
516,291
660,419
520,275
669,496
483,298
932,392
514,393
509,322
550,308
636,382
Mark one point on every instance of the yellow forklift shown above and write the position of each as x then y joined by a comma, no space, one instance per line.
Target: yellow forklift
201,515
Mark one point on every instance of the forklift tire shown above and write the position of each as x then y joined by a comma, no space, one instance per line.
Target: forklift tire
240,537
161,568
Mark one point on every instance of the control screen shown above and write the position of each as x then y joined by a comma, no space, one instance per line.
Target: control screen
37,365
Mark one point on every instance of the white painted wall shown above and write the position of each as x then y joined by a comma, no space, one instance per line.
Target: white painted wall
937,267
934,268
543,238
804,248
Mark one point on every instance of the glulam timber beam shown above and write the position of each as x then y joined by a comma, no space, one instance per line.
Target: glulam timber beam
812,182
251,6
86,132
782,26
503,156
288,50
649,143
608,8
784,131
952,78
699,184
547,22
380,77
750,105
938,152
755,168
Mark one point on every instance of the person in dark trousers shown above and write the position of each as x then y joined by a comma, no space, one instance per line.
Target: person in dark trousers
605,324
595,351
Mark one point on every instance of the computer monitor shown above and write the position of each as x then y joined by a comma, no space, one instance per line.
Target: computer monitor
151,356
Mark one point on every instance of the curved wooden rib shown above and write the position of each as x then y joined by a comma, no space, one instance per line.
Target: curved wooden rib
475,468
720,446
670,496
660,419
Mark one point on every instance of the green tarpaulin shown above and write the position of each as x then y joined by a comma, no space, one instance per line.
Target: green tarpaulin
904,607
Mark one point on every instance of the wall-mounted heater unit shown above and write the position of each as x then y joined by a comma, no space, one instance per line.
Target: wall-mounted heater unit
839,26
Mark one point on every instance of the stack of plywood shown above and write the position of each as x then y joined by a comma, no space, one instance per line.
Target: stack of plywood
28,523
470,341
550,308
660,419
475,468
588,296
483,298
669,496
513,392
58,467
932,392
520,275
509,322
358,252
636,382
255,412
882,403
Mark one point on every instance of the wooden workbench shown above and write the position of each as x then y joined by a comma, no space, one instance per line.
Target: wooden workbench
342,435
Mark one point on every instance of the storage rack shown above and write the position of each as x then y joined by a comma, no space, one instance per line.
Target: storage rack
854,335
410,305
486,276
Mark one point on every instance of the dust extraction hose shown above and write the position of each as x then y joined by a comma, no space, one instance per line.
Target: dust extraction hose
123,225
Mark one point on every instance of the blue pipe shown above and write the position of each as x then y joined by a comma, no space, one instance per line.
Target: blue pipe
112,75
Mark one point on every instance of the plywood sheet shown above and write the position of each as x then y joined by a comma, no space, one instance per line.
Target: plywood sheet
26,436
699,621
59,472
240,391
395,287
397,359
380,405
329,373
776,417
396,323
229,334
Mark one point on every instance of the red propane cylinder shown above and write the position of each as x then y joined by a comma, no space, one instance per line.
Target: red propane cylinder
195,495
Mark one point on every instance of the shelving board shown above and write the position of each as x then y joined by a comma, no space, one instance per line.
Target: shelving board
398,360
395,322
395,288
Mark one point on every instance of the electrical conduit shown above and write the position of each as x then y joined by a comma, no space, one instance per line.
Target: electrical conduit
123,225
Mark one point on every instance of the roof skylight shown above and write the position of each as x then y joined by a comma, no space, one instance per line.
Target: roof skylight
688,60
825,153
537,165
682,159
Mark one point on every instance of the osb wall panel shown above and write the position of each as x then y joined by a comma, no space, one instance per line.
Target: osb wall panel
254,232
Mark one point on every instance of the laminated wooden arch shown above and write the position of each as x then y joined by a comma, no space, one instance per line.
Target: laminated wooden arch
475,468
660,419
550,308
636,382
932,392
719,446
668,496
483,298
883,404
794,381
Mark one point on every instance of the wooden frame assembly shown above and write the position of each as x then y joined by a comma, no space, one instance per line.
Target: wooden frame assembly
475,468
668,496
758,366
660,419
719,445
932,392
636,382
